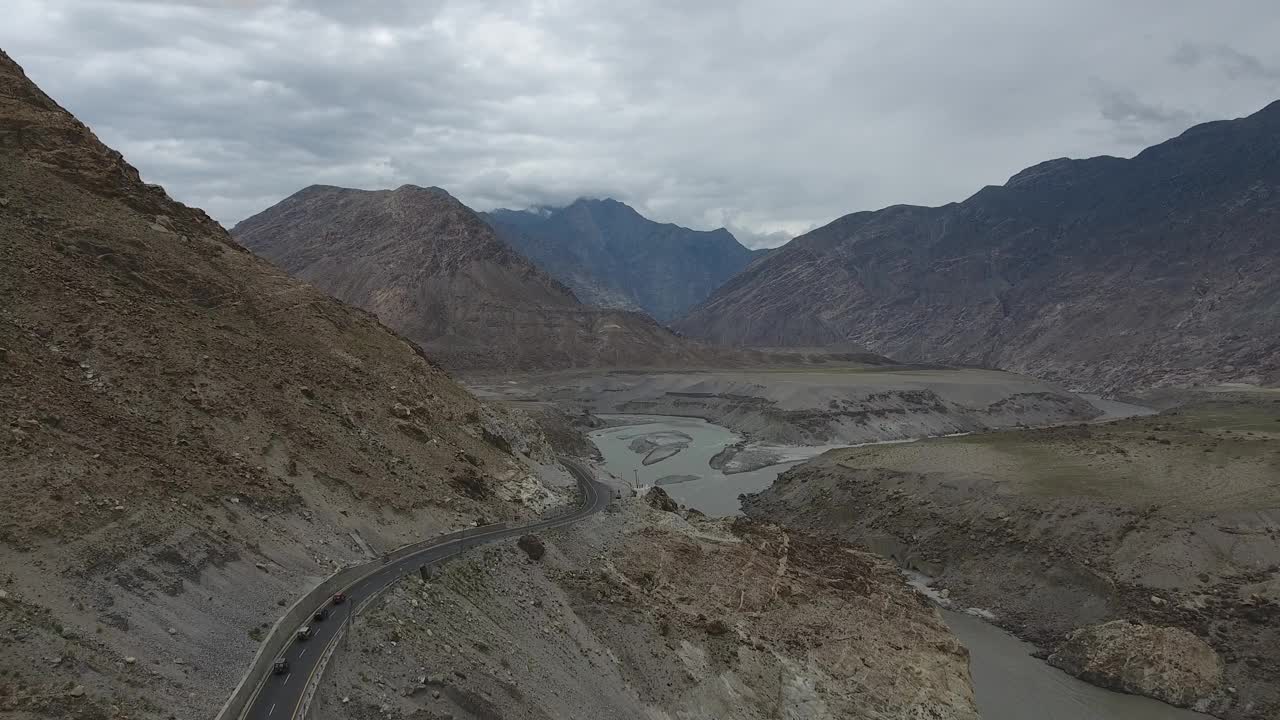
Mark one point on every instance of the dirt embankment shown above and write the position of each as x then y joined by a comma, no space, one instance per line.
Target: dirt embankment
814,407
1171,520
639,612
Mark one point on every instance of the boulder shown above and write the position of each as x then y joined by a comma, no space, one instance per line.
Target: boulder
659,499
1164,663
533,546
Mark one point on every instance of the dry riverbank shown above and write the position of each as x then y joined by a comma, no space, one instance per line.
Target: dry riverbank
796,406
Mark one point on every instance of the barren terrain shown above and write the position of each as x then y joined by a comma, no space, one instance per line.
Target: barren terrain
643,613
809,406
1171,520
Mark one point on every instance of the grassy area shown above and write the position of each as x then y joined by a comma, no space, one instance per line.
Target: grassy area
1222,453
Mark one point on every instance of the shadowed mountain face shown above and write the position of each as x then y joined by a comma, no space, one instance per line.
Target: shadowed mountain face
612,256
1105,272
429,267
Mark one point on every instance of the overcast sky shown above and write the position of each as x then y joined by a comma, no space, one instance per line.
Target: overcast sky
766,117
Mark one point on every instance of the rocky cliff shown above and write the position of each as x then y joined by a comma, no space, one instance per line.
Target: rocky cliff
1105,272
189,437
613,256
429,267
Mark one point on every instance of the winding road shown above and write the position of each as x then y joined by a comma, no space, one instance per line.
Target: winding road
281,697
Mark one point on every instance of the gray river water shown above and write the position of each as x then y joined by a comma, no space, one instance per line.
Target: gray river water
1009,682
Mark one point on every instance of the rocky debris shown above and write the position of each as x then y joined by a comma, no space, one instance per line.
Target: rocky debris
1165,663
658,499
533,546
642,614
511,430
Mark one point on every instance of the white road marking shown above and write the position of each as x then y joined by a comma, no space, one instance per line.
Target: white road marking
273,709
302,654
286,678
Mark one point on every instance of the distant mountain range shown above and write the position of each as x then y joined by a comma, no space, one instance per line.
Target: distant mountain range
1103,273
429,267
612,256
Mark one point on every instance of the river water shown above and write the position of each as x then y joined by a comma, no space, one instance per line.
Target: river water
1009,682
687,475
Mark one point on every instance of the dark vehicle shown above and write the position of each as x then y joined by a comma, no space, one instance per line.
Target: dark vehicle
320,614
339,598
280,666
305,632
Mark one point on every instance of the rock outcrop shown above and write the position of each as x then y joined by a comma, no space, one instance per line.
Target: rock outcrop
612,256
1103,273
658,499
1165,663
532,546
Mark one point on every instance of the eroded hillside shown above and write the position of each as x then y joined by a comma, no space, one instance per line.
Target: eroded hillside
190,436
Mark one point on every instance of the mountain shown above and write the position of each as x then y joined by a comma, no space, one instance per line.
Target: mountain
190,435
429,267
1105,273
612,256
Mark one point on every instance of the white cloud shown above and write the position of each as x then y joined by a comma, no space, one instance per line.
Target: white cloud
766,117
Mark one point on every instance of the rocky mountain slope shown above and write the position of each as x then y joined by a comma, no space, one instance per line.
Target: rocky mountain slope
1144,554
612,256
189,437
429,267
641,612
1105,272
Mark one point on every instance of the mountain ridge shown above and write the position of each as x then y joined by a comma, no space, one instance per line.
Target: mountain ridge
1103,272
430,267
612,256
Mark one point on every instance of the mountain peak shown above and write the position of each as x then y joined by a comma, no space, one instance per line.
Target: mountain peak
613,256
411,188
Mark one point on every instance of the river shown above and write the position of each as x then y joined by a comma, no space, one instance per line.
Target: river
1009,682
687,475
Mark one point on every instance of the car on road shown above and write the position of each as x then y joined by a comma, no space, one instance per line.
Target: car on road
320,615
280,666
305,632
339,598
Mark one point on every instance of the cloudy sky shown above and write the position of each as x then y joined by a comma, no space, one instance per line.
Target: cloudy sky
767,117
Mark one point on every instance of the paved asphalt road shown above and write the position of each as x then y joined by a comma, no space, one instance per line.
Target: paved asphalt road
279,696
